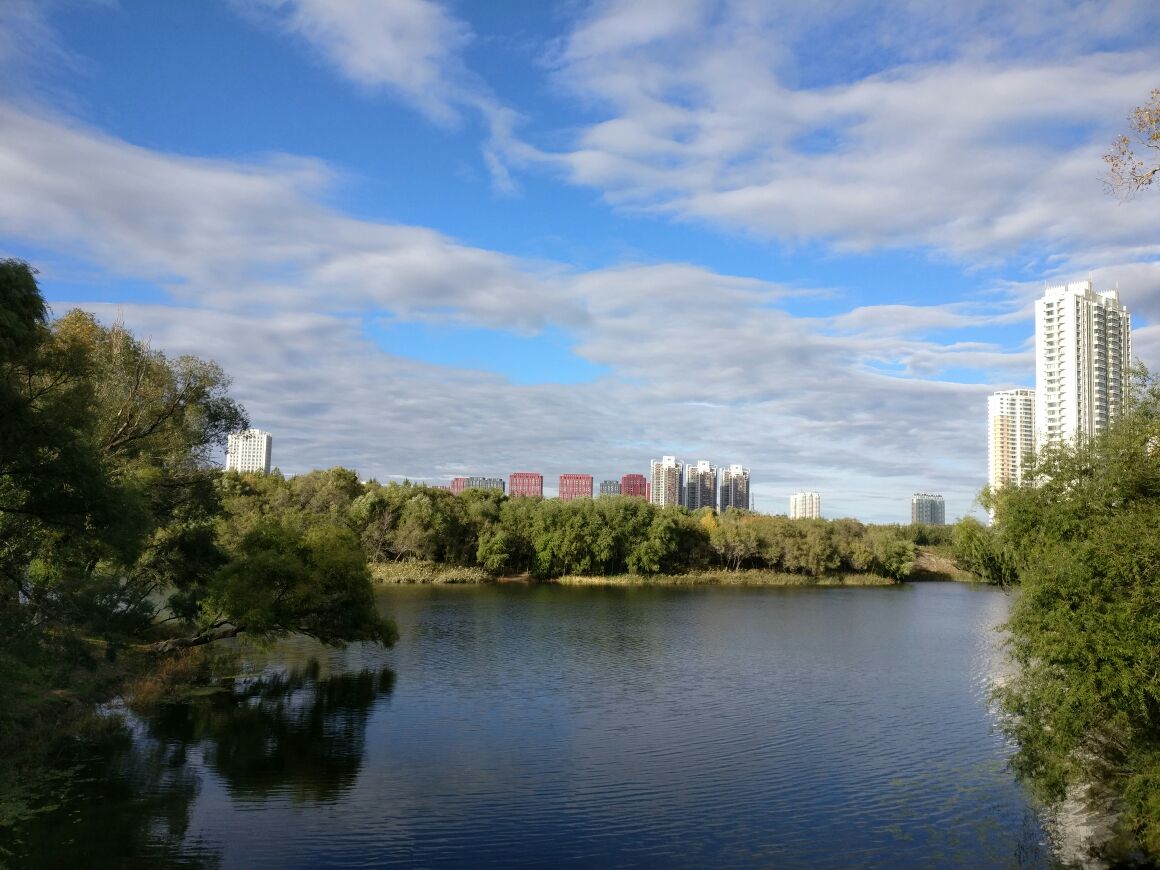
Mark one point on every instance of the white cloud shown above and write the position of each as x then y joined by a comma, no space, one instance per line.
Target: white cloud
239,234
408,46
971,129
411,48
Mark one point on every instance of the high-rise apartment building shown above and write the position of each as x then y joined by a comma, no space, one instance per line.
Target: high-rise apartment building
805,506
249,451
458,484
1010,436
1083,348
928,508
734,487
610,487
666,481
634,484
526,483
700,485
495,483
575,486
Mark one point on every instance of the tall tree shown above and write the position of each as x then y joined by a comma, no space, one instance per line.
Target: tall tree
1084,705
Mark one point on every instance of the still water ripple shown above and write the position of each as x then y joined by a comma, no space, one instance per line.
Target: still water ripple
541,726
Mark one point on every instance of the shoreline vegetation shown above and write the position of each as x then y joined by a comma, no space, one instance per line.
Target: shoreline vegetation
929,566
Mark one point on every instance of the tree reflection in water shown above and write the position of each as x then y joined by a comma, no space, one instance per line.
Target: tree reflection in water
290,732
294,730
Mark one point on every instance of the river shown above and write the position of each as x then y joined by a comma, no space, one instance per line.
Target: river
586,727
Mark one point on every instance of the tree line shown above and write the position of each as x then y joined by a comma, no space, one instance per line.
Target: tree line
549,538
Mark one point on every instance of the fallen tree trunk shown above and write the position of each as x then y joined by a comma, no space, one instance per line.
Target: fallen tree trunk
177,643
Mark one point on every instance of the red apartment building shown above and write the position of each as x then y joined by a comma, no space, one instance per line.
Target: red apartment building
634,484
458,484
526,483
575,486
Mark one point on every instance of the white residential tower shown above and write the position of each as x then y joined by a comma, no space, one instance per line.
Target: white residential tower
805,506
1083,348
249,451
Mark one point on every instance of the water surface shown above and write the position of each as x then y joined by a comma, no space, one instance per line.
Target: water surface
531,726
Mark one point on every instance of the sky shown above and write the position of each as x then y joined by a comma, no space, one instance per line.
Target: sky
430,238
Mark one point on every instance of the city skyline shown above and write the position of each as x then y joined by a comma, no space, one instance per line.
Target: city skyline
559,234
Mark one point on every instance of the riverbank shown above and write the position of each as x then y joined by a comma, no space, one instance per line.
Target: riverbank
414,572
939,564
423,573
721,577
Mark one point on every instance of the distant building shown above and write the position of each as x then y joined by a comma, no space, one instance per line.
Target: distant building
249,451
928,508
458,484
648,491
610,487
634,484
526,483
1010,436
495,483
575,486
734,487
805,506
666,481
1083,350
700,486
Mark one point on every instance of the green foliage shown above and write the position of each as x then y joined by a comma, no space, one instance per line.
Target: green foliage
113,511
1085,630
982,551
313,582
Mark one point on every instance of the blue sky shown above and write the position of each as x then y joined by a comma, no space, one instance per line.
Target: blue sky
438,238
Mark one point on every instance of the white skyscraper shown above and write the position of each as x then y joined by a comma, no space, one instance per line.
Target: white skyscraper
1010,436
666,481
735,487
1083,348
701,485
249,451
805,506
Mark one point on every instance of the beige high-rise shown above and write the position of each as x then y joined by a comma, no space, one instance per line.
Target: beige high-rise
666,481
1010,436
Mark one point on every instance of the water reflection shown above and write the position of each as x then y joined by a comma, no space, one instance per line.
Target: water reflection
295,732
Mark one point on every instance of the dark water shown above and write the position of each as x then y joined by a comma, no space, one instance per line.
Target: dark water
517,726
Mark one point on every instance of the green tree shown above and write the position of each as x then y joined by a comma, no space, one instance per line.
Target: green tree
983,552
1084,705
111,503
283,580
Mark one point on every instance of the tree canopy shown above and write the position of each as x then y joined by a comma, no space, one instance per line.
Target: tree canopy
111,513
1084,704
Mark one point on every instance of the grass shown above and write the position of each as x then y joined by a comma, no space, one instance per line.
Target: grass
416,572
722,577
